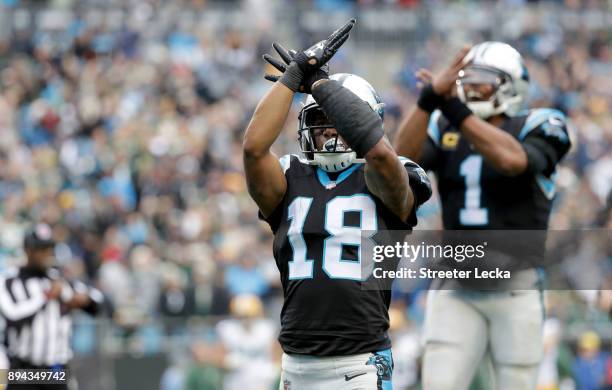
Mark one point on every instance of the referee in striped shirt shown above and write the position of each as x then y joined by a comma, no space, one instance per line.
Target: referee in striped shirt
37,303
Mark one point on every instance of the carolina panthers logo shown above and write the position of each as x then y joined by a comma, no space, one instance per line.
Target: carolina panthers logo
384,367
555,128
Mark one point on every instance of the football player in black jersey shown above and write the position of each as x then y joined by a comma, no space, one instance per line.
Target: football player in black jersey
349,181
495,166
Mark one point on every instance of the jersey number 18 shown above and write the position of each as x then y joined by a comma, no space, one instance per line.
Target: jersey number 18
301,267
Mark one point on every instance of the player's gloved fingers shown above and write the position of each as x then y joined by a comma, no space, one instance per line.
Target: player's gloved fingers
341,33
274,62
306,64
282,52
334,46
337,36
331,49
271,77
337,40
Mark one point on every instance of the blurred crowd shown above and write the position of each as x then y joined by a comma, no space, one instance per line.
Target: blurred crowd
124,134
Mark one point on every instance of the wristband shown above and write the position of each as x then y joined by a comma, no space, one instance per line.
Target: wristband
429,100
455,111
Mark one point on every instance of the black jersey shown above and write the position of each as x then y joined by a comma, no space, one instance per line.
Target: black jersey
476,196
317,237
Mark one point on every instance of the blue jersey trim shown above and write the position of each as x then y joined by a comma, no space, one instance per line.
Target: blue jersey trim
433,130
536,118
285,162
547,184
326,181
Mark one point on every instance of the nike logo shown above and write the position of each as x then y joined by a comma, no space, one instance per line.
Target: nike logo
349,377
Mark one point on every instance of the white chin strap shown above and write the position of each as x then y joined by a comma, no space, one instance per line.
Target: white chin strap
486,109
482,109
334,162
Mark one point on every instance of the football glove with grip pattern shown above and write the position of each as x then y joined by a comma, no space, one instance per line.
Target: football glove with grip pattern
301,69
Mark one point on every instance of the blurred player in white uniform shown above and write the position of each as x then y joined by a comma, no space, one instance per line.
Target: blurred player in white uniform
249,341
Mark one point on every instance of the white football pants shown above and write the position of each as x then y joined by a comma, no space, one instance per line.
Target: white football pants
461,326
367,371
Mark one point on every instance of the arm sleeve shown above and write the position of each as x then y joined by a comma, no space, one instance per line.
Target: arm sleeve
419,184
354,119
545,139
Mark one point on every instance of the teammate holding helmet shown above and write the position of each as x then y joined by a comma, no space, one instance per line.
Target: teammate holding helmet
495,166
334,333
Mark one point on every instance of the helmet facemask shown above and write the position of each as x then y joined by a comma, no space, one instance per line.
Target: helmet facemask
334,155
502,98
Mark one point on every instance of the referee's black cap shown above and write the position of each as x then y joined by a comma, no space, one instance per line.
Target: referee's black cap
39,236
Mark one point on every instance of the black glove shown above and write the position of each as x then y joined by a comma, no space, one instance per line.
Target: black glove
302,69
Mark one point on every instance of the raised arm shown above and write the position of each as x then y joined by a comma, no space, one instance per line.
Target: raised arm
387,179
265,178
412,131
544,143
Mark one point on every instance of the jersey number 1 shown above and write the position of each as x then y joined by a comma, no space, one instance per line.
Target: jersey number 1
300,267
472,214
